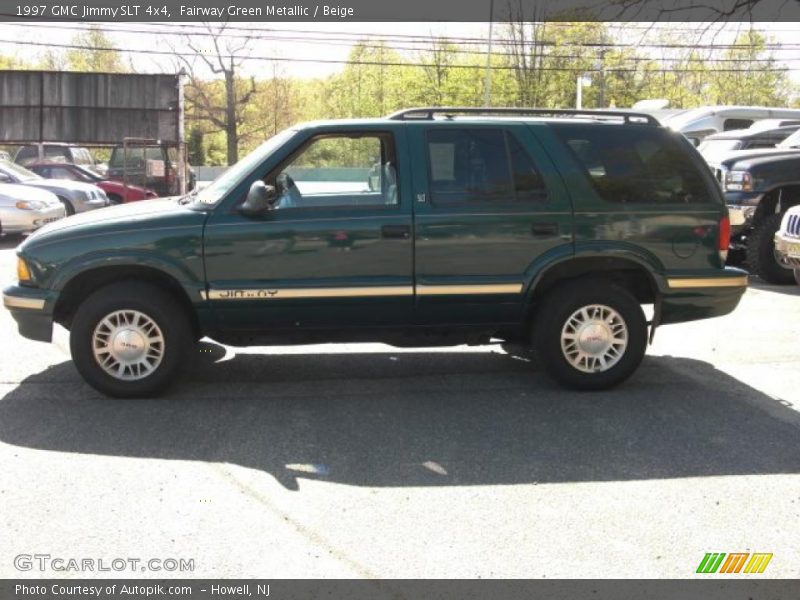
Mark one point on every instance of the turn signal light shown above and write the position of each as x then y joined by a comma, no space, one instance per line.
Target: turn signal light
23,272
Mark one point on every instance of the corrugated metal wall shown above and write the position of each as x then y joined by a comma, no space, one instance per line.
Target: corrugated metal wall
87,108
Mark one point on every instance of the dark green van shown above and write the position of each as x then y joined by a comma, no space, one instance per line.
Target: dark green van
429,227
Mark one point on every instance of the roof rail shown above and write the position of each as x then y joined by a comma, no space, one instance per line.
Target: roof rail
428,113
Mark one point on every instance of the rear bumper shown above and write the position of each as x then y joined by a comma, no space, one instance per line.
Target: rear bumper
32,309
693,298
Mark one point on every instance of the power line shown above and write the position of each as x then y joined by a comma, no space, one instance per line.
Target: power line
382,45
407,38
367,62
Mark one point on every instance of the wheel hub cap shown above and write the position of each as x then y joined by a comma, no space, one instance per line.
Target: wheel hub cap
594,338
128,345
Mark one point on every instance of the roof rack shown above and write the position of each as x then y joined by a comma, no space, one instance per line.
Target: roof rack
428,113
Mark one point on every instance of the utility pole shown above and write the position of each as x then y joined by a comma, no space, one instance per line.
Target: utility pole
487,83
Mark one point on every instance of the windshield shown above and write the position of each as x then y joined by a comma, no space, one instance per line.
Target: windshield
793,141
88,173
20,173
230,178
714,150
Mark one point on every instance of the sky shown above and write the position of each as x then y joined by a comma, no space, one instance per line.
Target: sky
787,34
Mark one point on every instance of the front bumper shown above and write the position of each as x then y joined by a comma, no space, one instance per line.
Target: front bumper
741,208
789,249
82,205
32,309
17,220
689,298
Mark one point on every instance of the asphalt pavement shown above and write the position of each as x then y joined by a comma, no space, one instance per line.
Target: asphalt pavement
369,461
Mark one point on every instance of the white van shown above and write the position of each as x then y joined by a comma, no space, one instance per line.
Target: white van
697,123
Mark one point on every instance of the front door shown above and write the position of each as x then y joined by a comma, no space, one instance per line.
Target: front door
336,250
488,205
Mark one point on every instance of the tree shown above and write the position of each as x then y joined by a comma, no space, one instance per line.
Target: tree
96,53
223,110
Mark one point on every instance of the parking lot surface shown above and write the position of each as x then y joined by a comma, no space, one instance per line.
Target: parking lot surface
370,461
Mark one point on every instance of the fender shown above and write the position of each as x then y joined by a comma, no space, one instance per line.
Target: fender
600,249
179,271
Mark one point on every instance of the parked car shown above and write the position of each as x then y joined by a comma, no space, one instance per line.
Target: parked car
791,145
717,147
74,195
758,192
787,241
117,192
545,227
53,151
24,209
698,123
160,177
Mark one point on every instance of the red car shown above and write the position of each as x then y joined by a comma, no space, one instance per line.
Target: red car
116,191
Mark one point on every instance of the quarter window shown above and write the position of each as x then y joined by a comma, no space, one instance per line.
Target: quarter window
635,164
480,165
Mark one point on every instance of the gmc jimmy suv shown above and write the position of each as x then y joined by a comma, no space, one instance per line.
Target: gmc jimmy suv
430,227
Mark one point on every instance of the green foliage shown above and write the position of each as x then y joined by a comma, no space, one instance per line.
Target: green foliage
93,56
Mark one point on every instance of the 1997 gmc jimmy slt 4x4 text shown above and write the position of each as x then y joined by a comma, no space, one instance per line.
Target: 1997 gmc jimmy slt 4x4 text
429,227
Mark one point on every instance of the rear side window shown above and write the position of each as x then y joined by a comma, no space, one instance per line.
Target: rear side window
730,124
480,165
56,153
635,165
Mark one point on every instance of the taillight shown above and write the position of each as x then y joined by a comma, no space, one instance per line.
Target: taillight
724,238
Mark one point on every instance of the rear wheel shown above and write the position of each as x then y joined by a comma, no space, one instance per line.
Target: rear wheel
128,339
590,335
797,276
762,259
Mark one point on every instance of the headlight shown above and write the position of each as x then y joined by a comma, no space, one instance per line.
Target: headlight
738,181
29,205
23,272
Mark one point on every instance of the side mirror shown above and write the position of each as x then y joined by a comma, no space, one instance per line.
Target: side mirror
260,198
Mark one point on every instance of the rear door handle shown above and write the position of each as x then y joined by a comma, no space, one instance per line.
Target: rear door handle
402,232
544,229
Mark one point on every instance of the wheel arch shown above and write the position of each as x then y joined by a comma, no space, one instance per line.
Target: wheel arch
80,285
635,273
777,199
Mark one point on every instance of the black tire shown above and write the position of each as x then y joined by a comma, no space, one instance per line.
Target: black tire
114,199
797,276
155,304
67,206
551,318
761,258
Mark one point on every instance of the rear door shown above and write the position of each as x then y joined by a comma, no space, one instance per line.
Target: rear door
488,204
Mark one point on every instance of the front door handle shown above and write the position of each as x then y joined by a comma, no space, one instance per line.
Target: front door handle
402,232
544,229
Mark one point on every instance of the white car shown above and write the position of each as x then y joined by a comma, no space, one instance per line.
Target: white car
787,240
24,208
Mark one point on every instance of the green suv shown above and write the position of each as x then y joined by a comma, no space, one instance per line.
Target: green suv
430,227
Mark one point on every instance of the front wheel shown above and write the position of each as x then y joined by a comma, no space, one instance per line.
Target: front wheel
590,335
128,339
762,258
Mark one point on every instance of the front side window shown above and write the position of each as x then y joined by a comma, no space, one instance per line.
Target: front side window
635,164
468,166
338,171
